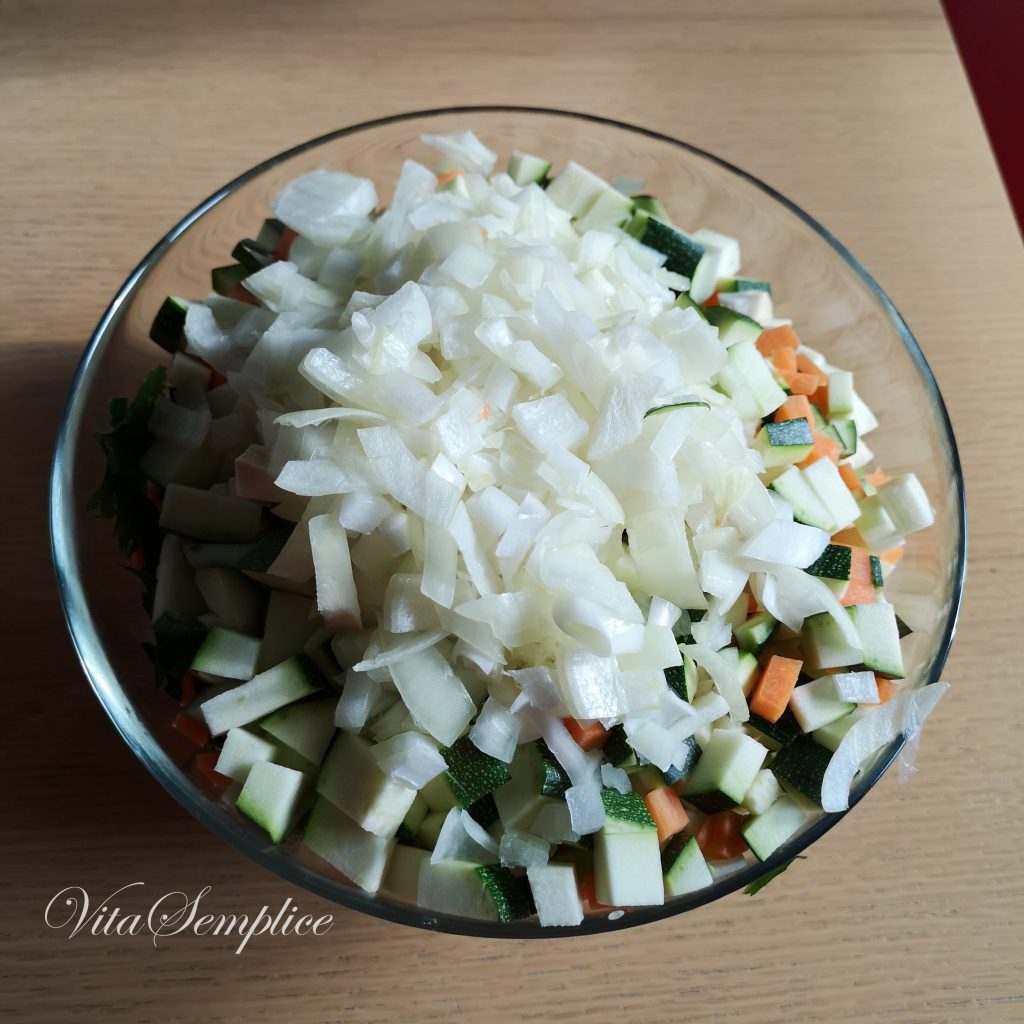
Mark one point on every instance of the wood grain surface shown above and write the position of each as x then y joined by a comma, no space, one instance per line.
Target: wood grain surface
116,117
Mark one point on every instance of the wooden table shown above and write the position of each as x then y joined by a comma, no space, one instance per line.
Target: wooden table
116,117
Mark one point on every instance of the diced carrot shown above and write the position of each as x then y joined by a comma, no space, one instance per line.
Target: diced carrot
667,811
284,244
485,412
443,179
216,379
719,836
775,338
188,689
876,478
893,555
799,383
796,407
805,364
588,736
588,893
785,359
192,730
852,481
712,299
861,589
137,560
206,765
850,537
886,689
820,399
752,605
824,448
774,688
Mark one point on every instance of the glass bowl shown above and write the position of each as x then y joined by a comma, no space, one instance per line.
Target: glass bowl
836,304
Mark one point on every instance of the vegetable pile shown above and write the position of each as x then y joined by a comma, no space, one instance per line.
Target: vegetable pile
511,551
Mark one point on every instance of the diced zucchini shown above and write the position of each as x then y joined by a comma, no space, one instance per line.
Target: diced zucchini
524,168
906,502
831,735
816,703
732,326
353,781
681,251
616,749
485,892
721,258
684,866
207,515
763,792
725,771
610,209
825,646
251,256
776,734
755,632
227,653
429,831
412,821
802,766
845,432
283,684
236,602
747,372
401,881
627,855
471,773
652,207
767,831
880,638
743,284
840,395
555,894
807,506
168,327
521,798
782,444
683,301
224,280
272,797
307,728
682,679
824,479
358,854
242,749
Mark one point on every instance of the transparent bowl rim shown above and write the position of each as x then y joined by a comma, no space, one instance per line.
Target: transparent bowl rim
103,680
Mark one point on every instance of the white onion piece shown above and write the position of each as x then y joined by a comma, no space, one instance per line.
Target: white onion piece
336,597
434,695
314,417
409,758
357,697
905,714
596,627
414,645
462,839
521,849
615,778
783,543
856,687
496,731
465,150
663,613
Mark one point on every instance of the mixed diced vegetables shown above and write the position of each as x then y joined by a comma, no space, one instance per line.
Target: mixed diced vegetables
504,547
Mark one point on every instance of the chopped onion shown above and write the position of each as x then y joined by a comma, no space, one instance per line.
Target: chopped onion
496,731
409,758
904,714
